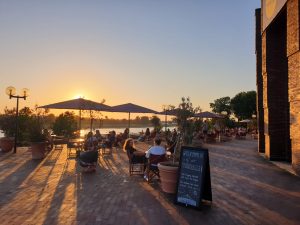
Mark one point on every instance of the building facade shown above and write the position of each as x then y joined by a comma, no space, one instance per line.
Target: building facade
278,80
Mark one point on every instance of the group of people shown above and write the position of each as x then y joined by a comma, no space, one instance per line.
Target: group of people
93,142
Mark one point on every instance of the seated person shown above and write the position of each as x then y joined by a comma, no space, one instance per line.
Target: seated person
98,136
88,159
125,135
49,139
155,151
170,147
131,152
110,140
147,134
241,132
88,140
119,140
153,134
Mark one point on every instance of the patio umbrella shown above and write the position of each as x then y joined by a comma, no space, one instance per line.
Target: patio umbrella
171,112
207,114
79,104
247,121
131,108
168,112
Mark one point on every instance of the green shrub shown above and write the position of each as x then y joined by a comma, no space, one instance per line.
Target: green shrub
65,124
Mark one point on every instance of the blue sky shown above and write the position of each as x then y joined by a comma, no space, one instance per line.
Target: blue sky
146,52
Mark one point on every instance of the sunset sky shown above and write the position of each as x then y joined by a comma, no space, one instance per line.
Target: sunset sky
148,52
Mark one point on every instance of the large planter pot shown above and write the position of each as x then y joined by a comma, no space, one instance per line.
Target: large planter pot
168,172
38,150
6,144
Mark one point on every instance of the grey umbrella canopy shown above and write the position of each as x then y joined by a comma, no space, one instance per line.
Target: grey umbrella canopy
79,104
131,108
168,112
207,114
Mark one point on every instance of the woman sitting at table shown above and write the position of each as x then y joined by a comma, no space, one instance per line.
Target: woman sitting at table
98,136
88,159
134,155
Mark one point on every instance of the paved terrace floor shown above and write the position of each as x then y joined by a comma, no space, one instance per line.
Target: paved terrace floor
246,189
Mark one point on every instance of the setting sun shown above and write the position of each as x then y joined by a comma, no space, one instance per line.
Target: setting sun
79,96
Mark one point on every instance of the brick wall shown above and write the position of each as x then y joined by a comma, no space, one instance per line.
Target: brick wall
293,54
275,89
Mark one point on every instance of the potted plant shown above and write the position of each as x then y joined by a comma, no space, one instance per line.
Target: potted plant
7,125
169,170
37,138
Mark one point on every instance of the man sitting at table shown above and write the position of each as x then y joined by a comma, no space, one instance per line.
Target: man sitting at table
158,153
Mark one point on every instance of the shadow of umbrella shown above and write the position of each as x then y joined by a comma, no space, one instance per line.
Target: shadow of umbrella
78,104
131,108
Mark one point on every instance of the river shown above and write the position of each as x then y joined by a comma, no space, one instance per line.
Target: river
133,130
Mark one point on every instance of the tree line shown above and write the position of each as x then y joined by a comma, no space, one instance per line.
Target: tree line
241,106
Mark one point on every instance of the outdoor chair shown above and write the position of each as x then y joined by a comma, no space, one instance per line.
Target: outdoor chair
135,167
105,148
241,135
152,169
210,138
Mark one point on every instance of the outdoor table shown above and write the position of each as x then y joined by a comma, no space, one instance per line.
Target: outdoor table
76,143
58,141
139,153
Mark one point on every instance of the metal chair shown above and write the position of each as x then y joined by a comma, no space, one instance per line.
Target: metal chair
152,169
136,166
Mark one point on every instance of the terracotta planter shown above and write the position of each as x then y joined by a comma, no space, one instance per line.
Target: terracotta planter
38,150
6,144
168,173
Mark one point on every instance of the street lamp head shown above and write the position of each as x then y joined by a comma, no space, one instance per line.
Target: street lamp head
25,92
10,91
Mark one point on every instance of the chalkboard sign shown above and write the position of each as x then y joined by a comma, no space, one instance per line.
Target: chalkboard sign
194,177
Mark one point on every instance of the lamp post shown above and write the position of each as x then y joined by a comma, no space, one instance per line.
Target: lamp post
11,92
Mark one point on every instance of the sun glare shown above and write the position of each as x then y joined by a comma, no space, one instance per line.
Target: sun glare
79,96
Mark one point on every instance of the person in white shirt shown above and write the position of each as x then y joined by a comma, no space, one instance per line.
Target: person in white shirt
157,153
156,149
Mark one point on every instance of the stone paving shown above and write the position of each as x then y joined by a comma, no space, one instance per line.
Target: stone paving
246,189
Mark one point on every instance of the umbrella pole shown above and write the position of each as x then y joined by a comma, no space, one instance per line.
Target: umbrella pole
166,122
79,121
128,124
91,122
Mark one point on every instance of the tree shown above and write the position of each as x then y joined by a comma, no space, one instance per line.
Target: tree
243,105
8,123
183,118
155,121
221,105
145,120
65,124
